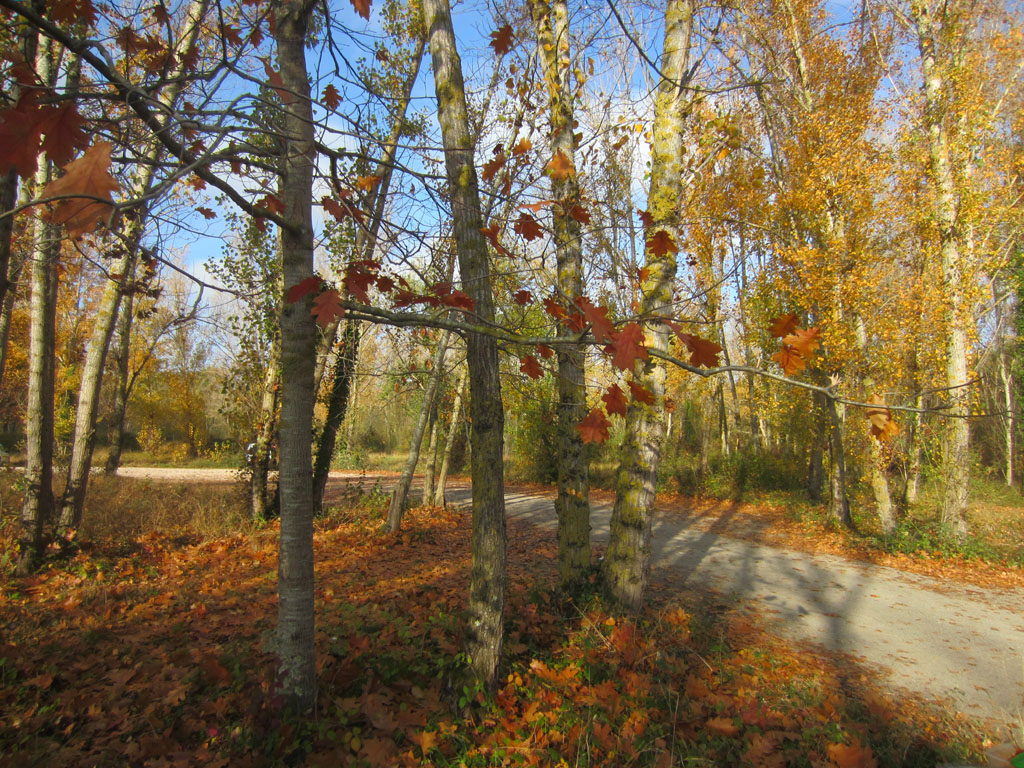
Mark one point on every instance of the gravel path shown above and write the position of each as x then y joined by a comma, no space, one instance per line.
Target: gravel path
935,638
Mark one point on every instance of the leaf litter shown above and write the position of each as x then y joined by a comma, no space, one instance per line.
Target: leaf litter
159,652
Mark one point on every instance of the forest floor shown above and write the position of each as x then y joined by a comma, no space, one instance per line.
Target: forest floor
157,649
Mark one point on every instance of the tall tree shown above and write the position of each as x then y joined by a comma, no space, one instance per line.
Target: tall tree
572,504
487,575
627,560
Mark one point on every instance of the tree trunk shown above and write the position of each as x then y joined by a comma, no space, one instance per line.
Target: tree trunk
880,489
430,471
37,508
627,559
39,421
838,504
572,503
1006,374
819,442
296,617
956,446
337,407
484,628
266,428
453,430
8,196
401,492
14,269
122,352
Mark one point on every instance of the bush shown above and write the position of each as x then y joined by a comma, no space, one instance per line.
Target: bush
729,477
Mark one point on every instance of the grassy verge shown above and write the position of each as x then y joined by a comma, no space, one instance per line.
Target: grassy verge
158,649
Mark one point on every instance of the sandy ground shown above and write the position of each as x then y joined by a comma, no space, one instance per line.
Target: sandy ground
934,638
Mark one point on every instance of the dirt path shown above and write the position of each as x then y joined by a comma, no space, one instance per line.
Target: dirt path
932,637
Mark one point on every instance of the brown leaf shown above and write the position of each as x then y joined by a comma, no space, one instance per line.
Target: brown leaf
614,400
661,243
528,227
327,307
851,755
522,297
87,177
491,167
628,347
362,8
783,325
531,367
640,394
594,428
522,147
331,98
501,40
600,325
722,726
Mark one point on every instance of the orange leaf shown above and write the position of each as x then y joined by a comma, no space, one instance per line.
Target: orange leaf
783,325
327,307
491,168
555,309
792,362
522,147
560,167
640,394
722,726
88,176
379,753
528,227
628,347
803,341
491,233
882,425
594,428
362,8
600,325
367,183
531,367
614,400
851,756
331,98
501,40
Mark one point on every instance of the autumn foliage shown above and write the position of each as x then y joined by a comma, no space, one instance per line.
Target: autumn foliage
159,651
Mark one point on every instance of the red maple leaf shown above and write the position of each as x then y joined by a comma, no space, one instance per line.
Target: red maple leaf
555,309
501,40
594,428
614,400
645,218
600,325
459,300
359,276
341,210
628,347
640,394
783,325
528,227
545,351
385,284
271,203
64,134
302,289
522,298
531,367
327,307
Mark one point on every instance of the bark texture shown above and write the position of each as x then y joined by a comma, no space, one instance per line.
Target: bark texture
266,428
627,559
956,446
337,407
449,442
484,631
296,618
122,352
551,18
